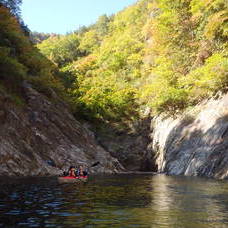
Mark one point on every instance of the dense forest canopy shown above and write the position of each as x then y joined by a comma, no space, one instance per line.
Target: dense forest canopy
162,54
167,55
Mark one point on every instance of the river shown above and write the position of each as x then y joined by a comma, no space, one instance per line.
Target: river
115,201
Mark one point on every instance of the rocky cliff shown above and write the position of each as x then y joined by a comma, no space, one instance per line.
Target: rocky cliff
40,131
130,146
195,143
43,130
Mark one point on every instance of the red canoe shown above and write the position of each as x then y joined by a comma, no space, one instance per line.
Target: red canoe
69,179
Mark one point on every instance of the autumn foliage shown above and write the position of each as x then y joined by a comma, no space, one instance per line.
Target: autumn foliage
20,60
162,54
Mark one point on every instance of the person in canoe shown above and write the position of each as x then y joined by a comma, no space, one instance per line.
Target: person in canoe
81,172
72,172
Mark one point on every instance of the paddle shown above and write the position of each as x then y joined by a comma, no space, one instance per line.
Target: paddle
52,163
95,164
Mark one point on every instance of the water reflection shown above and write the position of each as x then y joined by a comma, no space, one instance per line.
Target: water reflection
188,202
116,201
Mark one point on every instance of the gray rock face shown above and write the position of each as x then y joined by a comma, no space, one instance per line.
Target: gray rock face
196,143
130,147
42,130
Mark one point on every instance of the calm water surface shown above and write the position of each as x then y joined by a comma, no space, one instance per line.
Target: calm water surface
115,201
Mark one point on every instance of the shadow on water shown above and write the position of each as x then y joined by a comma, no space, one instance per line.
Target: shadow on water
116,201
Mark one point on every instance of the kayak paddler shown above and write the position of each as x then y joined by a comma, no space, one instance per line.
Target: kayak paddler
81,172
72,171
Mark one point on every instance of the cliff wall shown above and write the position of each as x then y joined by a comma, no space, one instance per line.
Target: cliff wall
195,143
39,132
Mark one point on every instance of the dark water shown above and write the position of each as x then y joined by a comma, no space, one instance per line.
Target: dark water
115,201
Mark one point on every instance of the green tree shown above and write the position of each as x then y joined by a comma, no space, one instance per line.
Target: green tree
102,25
61,49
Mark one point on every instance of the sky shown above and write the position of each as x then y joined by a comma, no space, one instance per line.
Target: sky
62,16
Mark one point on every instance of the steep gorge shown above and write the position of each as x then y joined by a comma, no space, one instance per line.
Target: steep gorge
116,69
194,143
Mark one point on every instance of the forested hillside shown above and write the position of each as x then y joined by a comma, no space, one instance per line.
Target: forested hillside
166,55
156,56
20,60
36,124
